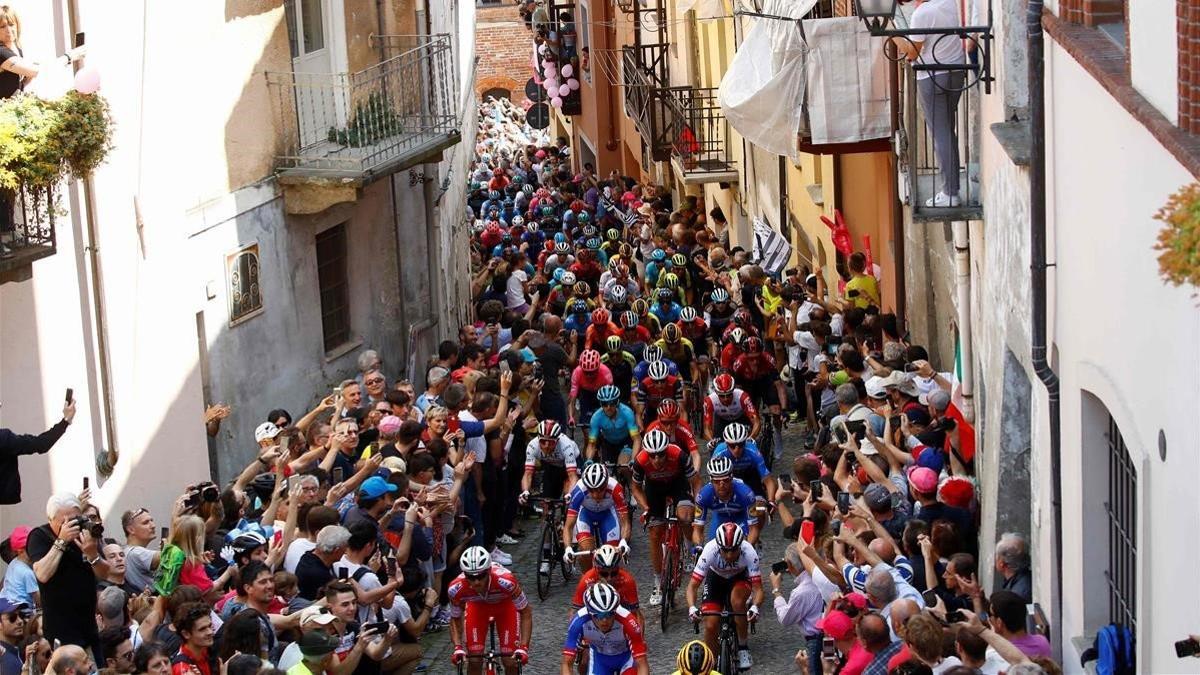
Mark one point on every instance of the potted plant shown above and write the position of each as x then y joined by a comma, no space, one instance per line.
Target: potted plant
1179,239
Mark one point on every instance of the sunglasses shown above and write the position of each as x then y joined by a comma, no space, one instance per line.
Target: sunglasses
375,380
600,616
138,512
477,577
607,574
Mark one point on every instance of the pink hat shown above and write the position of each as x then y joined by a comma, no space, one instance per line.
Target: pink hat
837,625
628,197
19,537
857,599
922,479
540,154
389,425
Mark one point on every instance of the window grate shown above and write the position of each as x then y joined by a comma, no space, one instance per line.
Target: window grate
1121,508
333,280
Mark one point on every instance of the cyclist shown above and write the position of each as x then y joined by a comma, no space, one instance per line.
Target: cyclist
662,471
651,354
613,431
693,328
614,636
757,373
724,500
676,429
748,462
728,568
728,405
642,308
561,258
558,456
635,337
596,512
621,363
616,298
680,350
718,314
670,281
731,347
586,380
488,593
695,658
578,317
665,307
602,327
606,568
658,386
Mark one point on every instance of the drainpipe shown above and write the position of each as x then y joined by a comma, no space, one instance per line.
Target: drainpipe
1038,265
962,288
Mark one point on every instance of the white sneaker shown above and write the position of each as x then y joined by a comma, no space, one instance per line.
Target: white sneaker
544,568
744,660
505,539
941,199
501,557
656,597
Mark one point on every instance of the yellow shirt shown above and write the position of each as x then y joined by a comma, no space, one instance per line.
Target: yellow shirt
868,290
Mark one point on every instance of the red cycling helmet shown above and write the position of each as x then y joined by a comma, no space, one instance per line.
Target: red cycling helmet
589,360
753,344
600,316
668,409
723,384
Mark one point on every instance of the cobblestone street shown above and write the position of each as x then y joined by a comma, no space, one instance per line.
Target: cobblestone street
773,647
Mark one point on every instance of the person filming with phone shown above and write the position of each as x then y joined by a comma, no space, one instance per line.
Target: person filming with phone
13,445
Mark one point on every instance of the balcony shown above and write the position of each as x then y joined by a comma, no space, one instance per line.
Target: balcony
352,128
700,151
648,100
32,234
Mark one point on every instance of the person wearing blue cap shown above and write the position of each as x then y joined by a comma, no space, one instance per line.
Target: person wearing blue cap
12,632
375,498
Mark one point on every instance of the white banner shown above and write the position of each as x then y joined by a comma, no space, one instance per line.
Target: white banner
771,249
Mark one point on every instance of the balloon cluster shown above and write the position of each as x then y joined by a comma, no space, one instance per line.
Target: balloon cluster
559,83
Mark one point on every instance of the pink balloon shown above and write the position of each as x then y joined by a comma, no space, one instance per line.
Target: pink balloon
87,80
567,70
573,84
550,68
551,86
564,90
556,102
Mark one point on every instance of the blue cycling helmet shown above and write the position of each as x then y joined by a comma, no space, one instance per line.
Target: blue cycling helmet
558,273
659,255
568,217
608,393
561,238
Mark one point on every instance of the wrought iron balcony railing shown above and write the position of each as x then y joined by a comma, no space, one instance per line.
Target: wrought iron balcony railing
648,99
27,220
700,151
384,118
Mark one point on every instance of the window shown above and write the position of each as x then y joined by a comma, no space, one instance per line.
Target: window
1121,509
585,38
245,289
333,280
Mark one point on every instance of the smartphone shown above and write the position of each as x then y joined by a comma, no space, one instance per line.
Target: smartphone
955,616
843,502
930,598
828,648
504,367
814,488
79,37
377,627
785,479
1186,648
164,532
343,573
391,568
86,482
808,531
779,567
338,474
70,395
337,391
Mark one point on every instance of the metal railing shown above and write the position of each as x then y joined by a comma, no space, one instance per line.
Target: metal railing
27,219
702,139
647,97
358,123
921,155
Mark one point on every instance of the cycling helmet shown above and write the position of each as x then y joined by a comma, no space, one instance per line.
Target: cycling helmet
549,430
629,319
607,557
695,658
506,238
737,335
559,273
613,234
736,433
668,409
562,248
658,255
247,542
527,189
475,560
720,466
494,195
601,599
671,280
497,172
665,294
568,279
723,384
670,333
613,342
595,476
581,288
589,360
579,307
639,306
614,264
656,441
753,344
688,314
608,393
720,295
729,536
678,260
584,217
618,294
652,353
741,317
518,220
568,217
592,243
658,370
532,226
626,250
600,316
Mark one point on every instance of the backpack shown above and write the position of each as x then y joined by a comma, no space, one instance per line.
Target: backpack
1113,650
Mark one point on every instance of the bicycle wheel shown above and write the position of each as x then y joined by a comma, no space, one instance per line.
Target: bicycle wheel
559,549
766,442
547,549
666,586
727,662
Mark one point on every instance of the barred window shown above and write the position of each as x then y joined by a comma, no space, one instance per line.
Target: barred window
334,282
1121,508
245,287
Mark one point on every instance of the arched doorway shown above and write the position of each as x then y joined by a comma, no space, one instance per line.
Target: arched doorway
496,92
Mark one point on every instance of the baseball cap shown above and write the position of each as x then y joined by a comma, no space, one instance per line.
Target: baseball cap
957,491
19,537
877,497
317,643
839,378
320,616
375,487
917,415
527,355
930,458
837,625
265,431
922,479
909,388
866,447
857,599
389,425
7,606
875,388
894,379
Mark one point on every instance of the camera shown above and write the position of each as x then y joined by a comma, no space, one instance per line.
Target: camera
96,530
209,492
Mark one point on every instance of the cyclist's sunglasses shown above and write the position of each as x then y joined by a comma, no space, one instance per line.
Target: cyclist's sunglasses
610,404
476,577
600,616
607,574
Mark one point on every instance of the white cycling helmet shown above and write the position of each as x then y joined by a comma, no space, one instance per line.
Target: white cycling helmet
736,433
475,560
656,441
720,466
595,476
607,557
729,536
601,599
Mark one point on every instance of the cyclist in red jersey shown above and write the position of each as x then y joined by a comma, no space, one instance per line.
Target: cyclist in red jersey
662,471
657,386
756,371
602,326
732,348
606,568
676,429
726,405
487,593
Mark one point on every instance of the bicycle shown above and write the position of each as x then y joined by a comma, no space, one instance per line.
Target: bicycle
695,411
726,639
493,660
674,564
766,438
551,551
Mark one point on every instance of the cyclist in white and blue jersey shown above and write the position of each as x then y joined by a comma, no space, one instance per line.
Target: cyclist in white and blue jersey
724,500
748,462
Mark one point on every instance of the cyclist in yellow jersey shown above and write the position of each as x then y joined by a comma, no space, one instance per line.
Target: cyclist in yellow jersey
680,350
695,658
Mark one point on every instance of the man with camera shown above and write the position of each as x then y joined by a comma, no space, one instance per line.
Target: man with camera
67,563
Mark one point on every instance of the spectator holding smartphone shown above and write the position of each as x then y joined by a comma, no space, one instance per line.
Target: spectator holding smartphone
13,445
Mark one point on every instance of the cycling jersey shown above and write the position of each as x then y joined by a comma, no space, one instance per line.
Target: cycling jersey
696,331
750,462
711,561
666,313
581,500
728,354
682,353
638,335
618,429
564,455
624,582
577,322
624,638
680,434
651,392
755,367
676,466
621,364
556,261
734,510
643,367
598,333
738,407
581,380
718,320
503,588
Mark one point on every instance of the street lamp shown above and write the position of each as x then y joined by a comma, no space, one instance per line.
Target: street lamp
876,14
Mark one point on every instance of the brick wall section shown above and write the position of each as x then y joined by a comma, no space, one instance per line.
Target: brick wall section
1187,16
1092,13
503,47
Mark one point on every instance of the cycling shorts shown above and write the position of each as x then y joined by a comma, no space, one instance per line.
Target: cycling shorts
714,594
475,626
603,527
762,392
678,491
616,664
610,453
553,479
